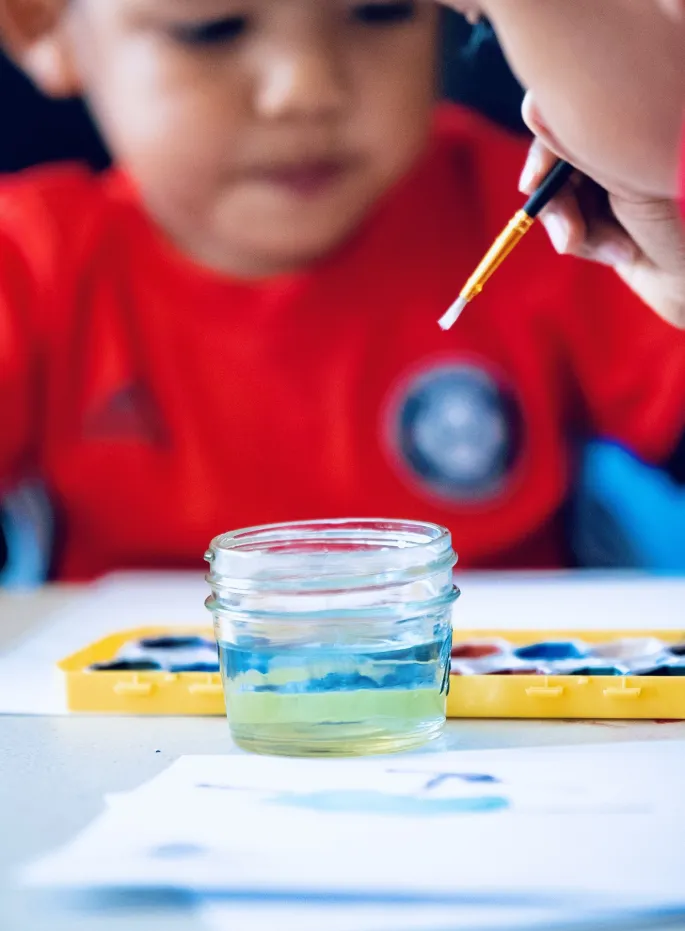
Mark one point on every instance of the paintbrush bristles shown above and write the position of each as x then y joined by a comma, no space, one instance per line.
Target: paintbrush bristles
448,320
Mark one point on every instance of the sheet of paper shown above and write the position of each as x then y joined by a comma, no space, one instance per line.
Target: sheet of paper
612,779
284,916
30,683
590,826
231,916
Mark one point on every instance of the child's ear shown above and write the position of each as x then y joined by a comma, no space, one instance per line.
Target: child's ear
33,34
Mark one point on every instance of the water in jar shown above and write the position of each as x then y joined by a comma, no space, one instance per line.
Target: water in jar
341,698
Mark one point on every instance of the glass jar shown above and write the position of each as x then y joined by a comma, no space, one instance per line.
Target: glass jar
334,636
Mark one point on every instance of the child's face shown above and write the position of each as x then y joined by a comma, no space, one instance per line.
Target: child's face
259,132
608,80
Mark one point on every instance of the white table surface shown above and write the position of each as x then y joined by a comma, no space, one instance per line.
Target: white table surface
54,772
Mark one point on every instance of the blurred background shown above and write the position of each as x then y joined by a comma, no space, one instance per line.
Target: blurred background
624,514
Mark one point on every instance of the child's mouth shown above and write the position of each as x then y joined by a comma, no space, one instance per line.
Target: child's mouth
307,178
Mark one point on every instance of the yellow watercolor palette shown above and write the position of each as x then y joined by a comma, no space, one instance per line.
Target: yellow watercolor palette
134,693
587,696
541,695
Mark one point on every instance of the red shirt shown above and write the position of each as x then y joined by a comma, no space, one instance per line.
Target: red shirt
162,404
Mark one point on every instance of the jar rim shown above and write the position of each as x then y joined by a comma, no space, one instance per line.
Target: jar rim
323,549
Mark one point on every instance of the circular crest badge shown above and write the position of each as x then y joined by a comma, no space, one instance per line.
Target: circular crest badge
457,431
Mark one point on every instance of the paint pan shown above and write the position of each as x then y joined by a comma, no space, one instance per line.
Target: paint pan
460,668
589,666
523,670
126,665
601,669
671,667
479,649
508,665
629,649
548,651
173,653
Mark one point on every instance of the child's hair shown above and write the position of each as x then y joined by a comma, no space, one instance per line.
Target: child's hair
43,130
476,72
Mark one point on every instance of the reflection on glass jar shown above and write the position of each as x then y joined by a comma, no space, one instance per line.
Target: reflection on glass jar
334,636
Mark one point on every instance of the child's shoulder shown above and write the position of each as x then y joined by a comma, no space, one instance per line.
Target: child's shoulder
54,206
55,224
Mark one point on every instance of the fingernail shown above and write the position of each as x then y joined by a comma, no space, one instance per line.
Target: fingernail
557,230
612,253
531,172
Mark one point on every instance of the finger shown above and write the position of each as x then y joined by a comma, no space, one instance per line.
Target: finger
608,244
606,241
675,9
537,125
539,163
656,227
579,222
564,223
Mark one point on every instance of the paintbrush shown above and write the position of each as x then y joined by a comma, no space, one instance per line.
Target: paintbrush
508,239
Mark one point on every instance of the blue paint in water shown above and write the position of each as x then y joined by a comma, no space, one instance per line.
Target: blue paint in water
361,697
342,668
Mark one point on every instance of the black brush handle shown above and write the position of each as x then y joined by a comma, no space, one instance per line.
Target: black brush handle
549,189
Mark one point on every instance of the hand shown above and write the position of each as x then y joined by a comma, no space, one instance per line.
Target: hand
643,239
674,8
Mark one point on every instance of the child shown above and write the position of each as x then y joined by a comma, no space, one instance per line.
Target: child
606,92
239,326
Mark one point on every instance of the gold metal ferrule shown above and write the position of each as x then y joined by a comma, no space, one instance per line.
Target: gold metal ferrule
507,240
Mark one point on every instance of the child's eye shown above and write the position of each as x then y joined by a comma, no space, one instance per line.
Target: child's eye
382,14
214,32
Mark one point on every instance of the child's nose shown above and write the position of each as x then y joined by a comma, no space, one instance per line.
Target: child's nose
306,82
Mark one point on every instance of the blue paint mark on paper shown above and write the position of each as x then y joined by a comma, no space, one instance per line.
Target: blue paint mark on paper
461,777
380,803
437,779
178,851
